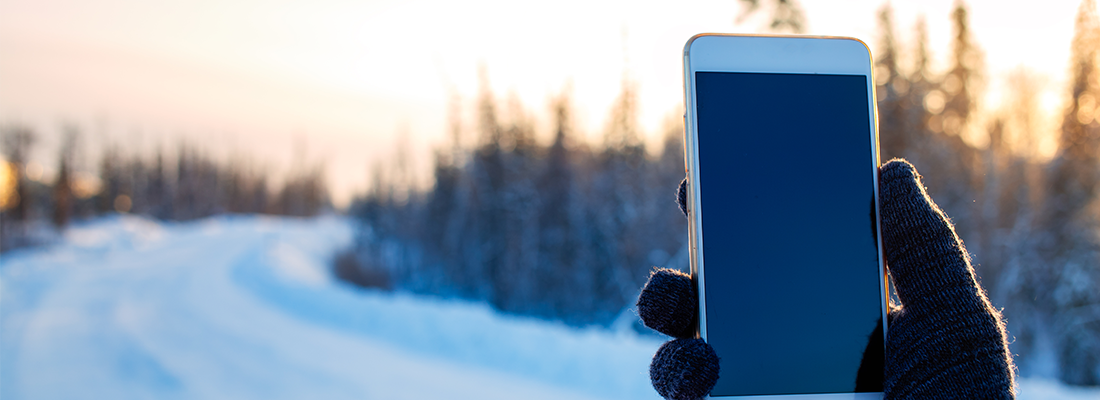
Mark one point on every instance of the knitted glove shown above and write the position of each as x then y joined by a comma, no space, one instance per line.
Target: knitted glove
946,341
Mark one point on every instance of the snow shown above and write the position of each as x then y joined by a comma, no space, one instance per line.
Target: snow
1039,388
243,307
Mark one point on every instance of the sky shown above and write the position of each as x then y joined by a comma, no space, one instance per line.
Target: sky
348,83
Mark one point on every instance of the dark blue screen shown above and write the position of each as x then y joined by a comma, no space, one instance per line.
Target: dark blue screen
788,230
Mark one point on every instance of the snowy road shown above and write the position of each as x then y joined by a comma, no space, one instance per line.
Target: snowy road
243,308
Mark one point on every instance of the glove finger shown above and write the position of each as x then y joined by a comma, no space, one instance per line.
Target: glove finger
684,369
946,335
669,303
924,253
681,196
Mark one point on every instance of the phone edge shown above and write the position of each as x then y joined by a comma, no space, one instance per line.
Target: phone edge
695,260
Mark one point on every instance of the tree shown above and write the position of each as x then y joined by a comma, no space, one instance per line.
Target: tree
894,138
110,178
1075,171
619,195
159,190
18,141
951,166
786,15
561,255
63,187
922,97
961,83
1071,215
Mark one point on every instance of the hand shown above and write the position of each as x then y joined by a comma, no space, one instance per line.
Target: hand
944,341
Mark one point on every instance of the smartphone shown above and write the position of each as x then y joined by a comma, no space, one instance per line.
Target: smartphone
781,146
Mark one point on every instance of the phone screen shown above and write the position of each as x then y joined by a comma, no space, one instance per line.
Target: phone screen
790,248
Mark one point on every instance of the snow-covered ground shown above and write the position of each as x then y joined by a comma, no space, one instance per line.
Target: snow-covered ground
242,307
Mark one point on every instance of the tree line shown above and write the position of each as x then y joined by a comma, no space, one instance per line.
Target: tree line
189,185
1030,224
562,230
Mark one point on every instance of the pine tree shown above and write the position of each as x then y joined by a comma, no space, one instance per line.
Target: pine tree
520,206
620,197
786,15
920,92
18,142
487,188
951,166
110,165
63,187
962,81
893,129
1072,218
1075,174
443,222
560,264
158,195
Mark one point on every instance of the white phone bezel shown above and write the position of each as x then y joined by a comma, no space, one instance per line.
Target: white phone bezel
772,54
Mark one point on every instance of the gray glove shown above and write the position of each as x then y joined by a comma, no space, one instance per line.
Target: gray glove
946,341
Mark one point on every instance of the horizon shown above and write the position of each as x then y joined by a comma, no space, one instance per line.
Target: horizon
347,84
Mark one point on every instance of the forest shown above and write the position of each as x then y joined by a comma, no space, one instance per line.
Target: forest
569,230
184,185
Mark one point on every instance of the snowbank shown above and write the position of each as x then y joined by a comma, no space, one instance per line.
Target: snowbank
243,307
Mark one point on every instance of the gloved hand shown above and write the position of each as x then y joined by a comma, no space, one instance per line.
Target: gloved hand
944,341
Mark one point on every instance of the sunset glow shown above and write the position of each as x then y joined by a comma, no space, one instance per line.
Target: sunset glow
341,81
